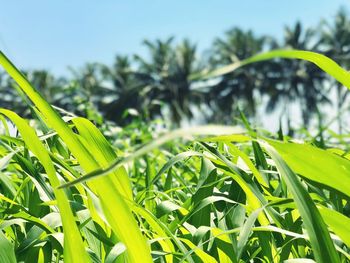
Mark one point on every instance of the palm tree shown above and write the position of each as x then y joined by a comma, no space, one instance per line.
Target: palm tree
298,80
128,92
87,90
239,87
167,73
336,42
44,82
40,79
180,95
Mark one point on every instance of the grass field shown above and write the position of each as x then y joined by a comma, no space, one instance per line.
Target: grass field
202,194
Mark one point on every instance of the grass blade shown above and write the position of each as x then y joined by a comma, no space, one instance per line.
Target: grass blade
338,222
316,164
74,248
116,210
323,62
7,250
321,242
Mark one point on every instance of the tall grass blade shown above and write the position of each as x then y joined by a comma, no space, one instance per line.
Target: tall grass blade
339,223
115,208
316,164
321,242
323,62
74,247
7,250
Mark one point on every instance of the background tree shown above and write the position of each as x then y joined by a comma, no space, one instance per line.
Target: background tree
128,93
167,73
87,92
336,44
300,81
241,86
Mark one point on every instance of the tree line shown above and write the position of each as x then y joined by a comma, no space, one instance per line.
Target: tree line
161,84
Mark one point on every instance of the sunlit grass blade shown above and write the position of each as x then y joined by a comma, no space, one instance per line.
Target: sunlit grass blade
116,210
104,154
323,62
338,222
74,247
316,164
205,257
321,242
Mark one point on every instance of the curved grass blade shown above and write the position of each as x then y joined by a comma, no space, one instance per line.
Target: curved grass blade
245,231
160,230
205,257
255,199
316,164
321,242
323,62
249,163
74,247
339,223
104,154
116,210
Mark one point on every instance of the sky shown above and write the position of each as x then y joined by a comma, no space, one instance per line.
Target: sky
47,34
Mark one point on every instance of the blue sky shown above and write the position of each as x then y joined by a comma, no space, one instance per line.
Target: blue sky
54,34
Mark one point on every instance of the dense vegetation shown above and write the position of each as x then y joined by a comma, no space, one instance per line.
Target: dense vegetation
162,84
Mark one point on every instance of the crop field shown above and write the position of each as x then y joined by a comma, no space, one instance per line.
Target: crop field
72,192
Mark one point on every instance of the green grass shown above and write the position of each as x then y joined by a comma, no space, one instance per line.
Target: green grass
202,194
